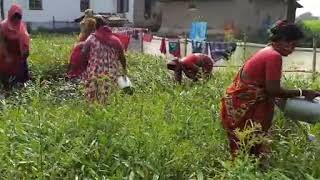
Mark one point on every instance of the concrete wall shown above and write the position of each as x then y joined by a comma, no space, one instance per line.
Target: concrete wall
247,15
138,16
64,10
130,14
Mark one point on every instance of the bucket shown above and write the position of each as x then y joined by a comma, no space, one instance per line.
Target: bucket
302,110
124,82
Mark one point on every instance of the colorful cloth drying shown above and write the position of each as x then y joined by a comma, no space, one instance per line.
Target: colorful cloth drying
147,37
199,31
124,38
174,48
163,47
220,50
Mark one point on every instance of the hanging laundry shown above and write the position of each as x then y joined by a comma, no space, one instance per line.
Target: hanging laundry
163,47
147,37
205,50
198,31
220,50
135,34
174,48
199,47
125,40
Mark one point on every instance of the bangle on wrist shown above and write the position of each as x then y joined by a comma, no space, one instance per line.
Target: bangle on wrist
300,92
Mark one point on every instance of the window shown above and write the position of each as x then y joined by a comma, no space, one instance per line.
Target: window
35,4
84,5
123,6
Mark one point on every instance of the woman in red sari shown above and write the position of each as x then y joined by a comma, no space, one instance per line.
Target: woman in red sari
104,55
251,97
14,47
192,66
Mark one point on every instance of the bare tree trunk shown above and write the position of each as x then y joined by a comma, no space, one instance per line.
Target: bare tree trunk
2,9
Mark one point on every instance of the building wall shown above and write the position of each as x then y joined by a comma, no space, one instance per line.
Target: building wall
138,15
247,15
130,14
64,10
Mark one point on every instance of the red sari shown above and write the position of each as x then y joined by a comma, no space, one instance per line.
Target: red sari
246,102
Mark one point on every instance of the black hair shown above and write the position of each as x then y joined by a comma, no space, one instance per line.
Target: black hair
285,31
100,21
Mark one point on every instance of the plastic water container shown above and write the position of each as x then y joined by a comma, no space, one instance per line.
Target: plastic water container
124,82
303,110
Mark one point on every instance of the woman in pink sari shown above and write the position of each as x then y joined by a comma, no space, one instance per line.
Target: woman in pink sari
14,47
104,55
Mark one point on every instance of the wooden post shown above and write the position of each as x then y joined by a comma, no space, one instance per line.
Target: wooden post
54,23
314,62
244,46
142,47
185,45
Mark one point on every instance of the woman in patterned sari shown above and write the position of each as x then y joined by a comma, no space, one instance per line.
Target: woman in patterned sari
251,97
105,59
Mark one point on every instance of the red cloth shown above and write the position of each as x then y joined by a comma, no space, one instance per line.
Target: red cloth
163,47
200,60
76,68
125,40
17,42
18,30
247,101
105,35
147,37
264,65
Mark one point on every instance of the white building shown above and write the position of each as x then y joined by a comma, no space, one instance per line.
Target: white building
48,11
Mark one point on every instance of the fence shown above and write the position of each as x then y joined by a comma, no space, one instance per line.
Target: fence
303,60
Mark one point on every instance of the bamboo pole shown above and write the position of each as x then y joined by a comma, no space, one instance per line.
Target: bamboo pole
142,48
244,46
314,62
185,45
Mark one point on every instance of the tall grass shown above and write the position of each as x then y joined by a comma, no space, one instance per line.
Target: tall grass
163,131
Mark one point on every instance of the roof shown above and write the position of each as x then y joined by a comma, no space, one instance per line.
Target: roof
298,5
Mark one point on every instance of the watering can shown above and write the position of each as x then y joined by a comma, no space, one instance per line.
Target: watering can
125,84
301,110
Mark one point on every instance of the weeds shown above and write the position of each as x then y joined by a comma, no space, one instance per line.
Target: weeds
163,131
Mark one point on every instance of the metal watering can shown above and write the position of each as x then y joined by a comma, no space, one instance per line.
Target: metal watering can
301,110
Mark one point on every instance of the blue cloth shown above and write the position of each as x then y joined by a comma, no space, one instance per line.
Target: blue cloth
198,31
220,50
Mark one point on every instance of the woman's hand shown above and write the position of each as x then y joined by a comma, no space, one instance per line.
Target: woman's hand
125,72
310,94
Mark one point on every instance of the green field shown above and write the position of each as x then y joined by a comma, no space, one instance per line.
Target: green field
163,131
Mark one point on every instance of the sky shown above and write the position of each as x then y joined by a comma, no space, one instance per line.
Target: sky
312,6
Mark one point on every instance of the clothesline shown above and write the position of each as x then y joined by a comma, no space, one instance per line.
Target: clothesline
215,49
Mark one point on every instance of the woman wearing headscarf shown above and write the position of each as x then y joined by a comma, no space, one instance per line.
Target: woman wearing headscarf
14,47
87,26
104,55
250,100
